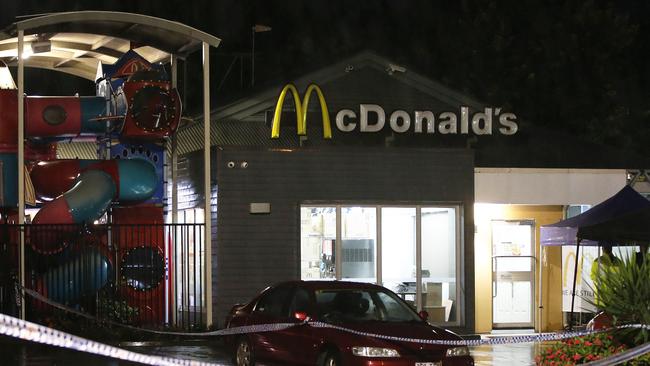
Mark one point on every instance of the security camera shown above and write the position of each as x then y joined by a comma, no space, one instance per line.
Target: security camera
231,164
394,68
244,165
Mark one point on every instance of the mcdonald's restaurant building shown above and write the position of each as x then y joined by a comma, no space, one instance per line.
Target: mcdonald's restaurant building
420,188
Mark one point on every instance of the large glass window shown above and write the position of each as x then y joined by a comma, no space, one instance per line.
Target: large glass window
398,251
439,263
412,250
317,241
358,244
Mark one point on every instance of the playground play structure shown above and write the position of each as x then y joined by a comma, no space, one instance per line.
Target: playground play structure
103,234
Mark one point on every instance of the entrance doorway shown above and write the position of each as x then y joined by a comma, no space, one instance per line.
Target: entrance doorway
513,273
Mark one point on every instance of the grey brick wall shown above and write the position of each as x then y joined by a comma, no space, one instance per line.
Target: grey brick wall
251,252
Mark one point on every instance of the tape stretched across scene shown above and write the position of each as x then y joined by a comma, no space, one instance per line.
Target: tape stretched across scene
21,329
281,326
28,331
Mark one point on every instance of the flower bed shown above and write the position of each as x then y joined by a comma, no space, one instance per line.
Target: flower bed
575,351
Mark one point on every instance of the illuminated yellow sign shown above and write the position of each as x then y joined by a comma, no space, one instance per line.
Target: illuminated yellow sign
487,121
570,258
301,110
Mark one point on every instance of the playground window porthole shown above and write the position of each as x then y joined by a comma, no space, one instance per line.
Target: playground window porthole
143,268
54,115
152,108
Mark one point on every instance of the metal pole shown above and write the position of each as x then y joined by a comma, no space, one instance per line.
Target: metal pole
338,245
541,303
575,276
418,258
206,182
379,246
21,167
169,294
253,56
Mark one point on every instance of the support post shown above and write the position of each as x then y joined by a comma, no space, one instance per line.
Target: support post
21,167
541,293
206,182
575,277
174,149
379,251
418,258
171,248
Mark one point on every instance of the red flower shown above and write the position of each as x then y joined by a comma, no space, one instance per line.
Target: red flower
576,357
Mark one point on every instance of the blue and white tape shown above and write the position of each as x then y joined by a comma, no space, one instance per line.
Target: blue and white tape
476,342
28,331
281,326
32,332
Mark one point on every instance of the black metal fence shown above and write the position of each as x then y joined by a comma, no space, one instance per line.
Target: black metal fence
136,274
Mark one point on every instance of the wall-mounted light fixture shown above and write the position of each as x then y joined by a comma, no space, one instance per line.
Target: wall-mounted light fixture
260,208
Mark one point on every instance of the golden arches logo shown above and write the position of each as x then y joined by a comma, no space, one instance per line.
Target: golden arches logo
301,110
570,258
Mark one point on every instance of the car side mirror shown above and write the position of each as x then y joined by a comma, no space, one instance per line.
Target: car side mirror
424,315
301,316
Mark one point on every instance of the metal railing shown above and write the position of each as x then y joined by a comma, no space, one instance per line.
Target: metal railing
138,274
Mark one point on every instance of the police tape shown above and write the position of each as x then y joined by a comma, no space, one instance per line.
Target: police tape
28,331
21,329
624,356
272,327
479,342
222,332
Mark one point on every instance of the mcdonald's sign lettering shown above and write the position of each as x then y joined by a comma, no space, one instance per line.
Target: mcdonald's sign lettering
488,121
301,110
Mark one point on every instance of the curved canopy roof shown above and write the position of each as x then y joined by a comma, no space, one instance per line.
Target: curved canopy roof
75,42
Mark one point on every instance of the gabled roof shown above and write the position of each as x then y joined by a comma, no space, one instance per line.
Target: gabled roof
75,42
532,146
266,99
251,108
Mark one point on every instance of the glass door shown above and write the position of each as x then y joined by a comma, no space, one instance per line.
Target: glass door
513,274
398,239
358,244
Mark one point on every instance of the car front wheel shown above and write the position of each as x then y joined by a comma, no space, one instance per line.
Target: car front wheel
330,359
244,355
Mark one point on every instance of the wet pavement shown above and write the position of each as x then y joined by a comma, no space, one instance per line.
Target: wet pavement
19,353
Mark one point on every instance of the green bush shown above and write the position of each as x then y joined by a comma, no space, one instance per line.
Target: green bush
117,311
623,292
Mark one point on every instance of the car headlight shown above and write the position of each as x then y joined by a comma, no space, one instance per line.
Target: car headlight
374,352
457,351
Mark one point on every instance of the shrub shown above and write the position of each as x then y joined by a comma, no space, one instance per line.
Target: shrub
623,292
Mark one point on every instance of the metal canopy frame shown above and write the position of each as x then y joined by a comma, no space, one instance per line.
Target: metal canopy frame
75,42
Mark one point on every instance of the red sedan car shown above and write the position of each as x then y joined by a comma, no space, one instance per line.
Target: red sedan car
365,309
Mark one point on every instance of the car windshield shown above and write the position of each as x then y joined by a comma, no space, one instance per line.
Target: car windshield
359,305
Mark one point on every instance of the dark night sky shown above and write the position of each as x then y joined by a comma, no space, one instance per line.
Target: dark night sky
576,65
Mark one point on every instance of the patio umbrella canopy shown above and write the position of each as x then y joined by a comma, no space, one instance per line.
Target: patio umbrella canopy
597,224
631,227
565,232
